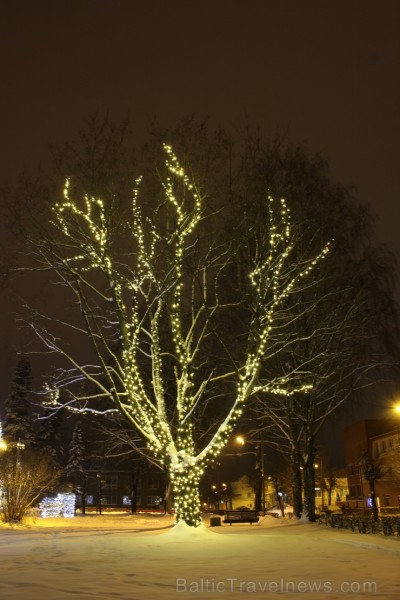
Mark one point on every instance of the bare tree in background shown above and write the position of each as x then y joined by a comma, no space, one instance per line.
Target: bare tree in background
345,323
24,476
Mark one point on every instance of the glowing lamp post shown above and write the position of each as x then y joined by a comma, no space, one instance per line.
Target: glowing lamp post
242,441
220,495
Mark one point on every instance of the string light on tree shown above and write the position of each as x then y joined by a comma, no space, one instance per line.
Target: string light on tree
151,317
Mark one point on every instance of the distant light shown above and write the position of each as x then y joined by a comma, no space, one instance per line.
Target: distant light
240,440
3,444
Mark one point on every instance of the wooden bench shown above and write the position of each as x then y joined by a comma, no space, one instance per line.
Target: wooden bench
240,516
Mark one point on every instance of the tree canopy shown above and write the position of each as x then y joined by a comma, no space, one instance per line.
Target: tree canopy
204,288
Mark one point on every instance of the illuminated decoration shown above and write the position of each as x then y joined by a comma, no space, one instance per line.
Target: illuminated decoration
63,505
139,324
50,507
3,444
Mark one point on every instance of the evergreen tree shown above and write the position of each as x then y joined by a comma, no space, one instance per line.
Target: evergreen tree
75,469
48,437
17,425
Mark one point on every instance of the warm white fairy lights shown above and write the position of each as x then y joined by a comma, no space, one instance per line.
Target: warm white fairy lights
146,298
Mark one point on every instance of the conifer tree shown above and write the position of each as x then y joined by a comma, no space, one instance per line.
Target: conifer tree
17,424
48,436
75,468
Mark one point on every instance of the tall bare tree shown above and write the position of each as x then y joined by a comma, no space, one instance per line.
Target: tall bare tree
149,287
345,323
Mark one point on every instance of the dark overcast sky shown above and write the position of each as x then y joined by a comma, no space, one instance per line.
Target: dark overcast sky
324,72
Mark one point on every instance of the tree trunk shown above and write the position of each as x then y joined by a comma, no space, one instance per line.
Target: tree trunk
83,491
296,486
373,501
258,481
309,485
186,496
372,472
134,485
279,497
169,496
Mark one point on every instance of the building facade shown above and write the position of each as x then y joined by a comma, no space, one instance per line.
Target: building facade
373,443
115,488
385,450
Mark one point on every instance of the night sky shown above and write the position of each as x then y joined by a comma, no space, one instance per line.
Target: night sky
323,73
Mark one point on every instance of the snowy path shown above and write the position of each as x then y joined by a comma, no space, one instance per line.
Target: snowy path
121,559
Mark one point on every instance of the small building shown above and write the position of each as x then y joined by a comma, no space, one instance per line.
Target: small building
373,442
385,450
242,493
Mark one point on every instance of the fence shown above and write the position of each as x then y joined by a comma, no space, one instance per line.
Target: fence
388,525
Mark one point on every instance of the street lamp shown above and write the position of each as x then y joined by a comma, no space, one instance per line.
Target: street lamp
18,445
225,495
220,495
241,440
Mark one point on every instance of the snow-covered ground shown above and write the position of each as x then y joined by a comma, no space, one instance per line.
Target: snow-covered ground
134,557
